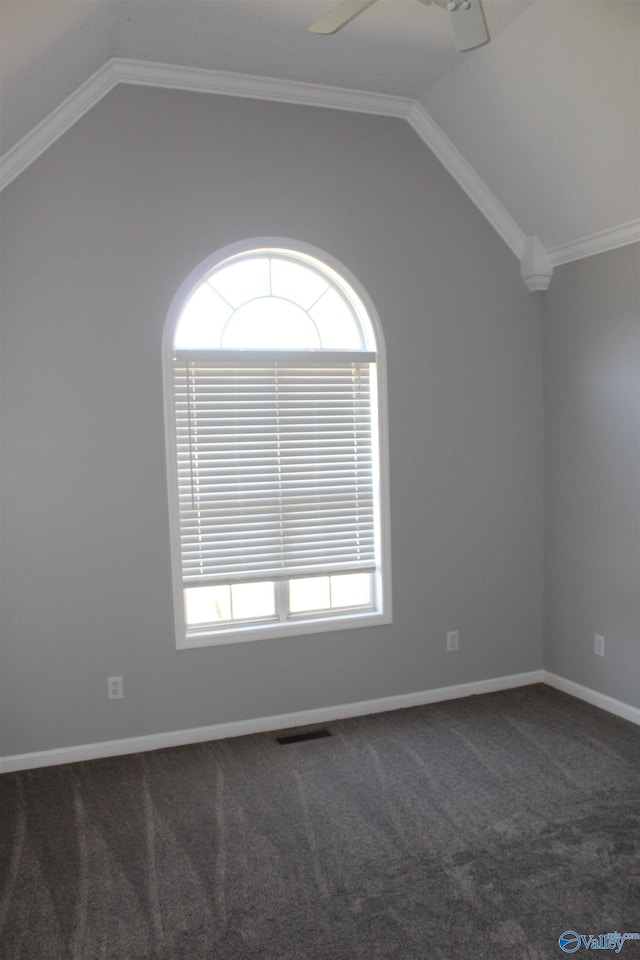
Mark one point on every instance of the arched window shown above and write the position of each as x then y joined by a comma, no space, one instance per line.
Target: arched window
275,406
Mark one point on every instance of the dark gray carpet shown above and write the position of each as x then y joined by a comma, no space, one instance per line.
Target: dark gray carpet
477,828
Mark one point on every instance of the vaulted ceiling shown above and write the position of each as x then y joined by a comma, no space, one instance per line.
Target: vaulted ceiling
545,117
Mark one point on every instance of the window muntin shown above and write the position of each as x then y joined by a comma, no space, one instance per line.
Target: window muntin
225,311
274,427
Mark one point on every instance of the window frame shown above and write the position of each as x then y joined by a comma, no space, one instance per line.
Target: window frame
313,623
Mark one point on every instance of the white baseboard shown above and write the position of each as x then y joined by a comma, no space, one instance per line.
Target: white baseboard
624,710
303,718
283,721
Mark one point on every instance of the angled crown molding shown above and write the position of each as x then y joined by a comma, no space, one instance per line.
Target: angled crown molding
223,83
594,243
536,268
22,155
466,177
168,76
535,260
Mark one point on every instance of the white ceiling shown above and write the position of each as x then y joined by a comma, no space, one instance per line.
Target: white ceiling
547,114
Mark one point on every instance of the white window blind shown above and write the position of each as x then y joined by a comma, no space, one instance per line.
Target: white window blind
275,457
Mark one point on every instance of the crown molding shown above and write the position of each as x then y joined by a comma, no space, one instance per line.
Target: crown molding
600,242
169,76
196,80
337,98
58,122
223,83
466,177
535,267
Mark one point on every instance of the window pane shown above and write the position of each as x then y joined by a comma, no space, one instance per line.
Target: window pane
252,601
351,590
269,323
309,594
296,282
336,323
242,281
202,321
207,604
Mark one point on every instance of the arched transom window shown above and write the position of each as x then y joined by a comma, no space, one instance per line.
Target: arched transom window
274,420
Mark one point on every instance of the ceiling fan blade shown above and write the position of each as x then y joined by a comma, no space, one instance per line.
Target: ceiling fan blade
340,15
468,26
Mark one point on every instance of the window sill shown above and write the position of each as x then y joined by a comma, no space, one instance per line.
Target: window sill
291,628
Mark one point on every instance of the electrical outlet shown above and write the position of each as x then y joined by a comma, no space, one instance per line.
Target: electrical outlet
598,646
114,688
453,640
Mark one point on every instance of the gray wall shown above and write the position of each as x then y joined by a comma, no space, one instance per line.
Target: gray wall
98,234
591,357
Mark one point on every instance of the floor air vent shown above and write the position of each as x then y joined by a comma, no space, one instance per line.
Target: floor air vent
299,737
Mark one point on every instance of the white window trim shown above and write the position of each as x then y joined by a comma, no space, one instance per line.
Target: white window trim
312,624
